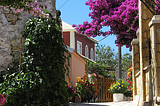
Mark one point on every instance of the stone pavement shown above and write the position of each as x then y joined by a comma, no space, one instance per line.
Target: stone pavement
124,103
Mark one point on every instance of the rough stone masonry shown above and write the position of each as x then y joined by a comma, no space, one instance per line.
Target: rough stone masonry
11,28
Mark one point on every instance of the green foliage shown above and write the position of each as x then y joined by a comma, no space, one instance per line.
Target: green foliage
97,68
42,78
106,56
15,3
126,61
71,90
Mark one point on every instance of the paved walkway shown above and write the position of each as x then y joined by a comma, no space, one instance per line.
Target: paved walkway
124,103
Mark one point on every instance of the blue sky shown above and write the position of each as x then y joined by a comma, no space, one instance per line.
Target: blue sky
76,12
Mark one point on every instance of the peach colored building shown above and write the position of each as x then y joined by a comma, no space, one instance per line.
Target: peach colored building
77,66
81,47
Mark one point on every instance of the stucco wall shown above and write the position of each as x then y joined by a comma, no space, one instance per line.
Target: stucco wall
77,67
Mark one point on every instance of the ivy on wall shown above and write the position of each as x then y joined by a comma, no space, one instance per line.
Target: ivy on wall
42,77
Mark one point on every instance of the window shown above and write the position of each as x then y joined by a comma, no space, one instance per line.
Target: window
79,47
91,54
86,51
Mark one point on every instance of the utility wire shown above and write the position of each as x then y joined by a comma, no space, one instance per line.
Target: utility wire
94,43
63,4
91,45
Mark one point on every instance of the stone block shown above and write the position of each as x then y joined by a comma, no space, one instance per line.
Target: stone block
146,35
3,19
14,43
11,17
1,10
158,59
12,28
19,16
11,36
2,34
6,10
16,54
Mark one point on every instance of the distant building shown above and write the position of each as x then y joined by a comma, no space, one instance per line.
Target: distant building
82,44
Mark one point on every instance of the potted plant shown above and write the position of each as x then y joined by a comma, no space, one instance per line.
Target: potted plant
128,95
85,89
118,89
71,91
78,86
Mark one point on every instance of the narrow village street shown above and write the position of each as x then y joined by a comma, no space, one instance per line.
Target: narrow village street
124,103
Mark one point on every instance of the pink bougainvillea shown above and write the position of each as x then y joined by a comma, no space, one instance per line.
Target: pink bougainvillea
120,15
31,6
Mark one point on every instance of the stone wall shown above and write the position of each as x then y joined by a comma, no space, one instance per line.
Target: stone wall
11,28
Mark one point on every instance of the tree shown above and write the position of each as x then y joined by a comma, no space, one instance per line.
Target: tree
126,61
106,56
120,15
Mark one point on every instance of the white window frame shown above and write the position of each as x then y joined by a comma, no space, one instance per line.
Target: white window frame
91,53
86,51
79,51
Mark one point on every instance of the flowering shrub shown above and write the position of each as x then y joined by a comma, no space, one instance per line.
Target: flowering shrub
118,87
130,82
71,90
85,89
29,6
120,15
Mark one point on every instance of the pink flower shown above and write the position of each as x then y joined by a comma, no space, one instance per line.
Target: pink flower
90,92
74,25
95,74
31,12
47,15
2,99
40,15
26,11
129,88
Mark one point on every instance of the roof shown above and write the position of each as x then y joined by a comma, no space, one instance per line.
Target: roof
67,27
71,50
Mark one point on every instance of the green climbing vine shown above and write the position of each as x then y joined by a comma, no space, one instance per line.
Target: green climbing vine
42,78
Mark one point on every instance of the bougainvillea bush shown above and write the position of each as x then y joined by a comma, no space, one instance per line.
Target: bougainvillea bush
29,6
120,15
